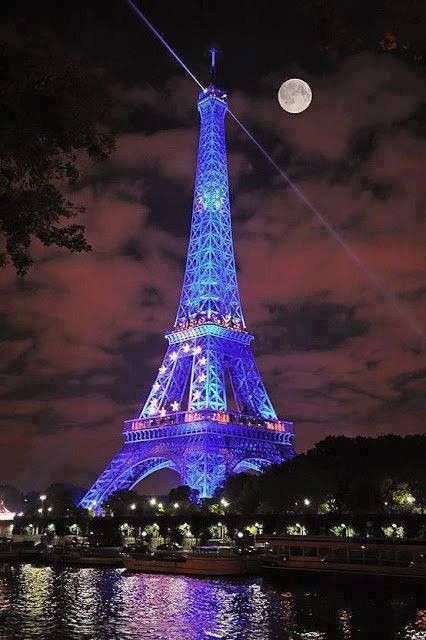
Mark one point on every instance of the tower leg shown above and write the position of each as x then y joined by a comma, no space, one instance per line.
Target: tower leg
250,393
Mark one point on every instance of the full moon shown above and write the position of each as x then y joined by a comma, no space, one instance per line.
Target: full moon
295,95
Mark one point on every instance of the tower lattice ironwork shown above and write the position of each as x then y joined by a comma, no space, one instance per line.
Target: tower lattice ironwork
208,413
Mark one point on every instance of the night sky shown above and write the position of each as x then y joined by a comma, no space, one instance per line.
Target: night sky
82,335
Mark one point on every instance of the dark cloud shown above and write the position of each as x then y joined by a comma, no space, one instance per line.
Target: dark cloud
82,335
307,325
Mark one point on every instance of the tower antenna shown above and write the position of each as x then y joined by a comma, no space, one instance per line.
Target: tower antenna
213,52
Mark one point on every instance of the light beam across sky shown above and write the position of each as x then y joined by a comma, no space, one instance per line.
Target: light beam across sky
388,296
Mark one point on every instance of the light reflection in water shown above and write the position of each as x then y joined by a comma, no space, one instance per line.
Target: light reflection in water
96,604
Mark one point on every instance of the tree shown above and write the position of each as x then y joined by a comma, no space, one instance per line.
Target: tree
120,502
63,498
341,475
53,113
184,496
12,497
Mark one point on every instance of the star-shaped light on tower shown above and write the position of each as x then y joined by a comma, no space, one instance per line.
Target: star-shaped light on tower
175,406
163,369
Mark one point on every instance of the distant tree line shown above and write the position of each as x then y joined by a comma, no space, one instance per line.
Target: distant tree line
338,475
341,475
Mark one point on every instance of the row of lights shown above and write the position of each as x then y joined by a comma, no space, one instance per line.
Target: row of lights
175,406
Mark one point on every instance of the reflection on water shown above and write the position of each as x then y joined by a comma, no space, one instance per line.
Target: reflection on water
92,604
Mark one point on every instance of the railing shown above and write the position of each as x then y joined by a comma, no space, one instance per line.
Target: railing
222,417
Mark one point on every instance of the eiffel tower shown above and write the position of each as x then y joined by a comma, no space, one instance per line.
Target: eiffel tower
208,413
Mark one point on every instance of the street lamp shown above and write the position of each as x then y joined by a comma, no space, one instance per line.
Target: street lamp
240,534
176,505
153,502
224,502
306,502
40,510
133,506
43,497
49,509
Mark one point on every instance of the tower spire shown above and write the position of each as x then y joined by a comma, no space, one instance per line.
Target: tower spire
213,52
210,289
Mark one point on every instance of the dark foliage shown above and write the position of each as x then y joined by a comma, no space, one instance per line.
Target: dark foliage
356,475
53,113
119,502
12,498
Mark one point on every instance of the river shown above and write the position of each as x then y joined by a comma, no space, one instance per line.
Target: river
104,604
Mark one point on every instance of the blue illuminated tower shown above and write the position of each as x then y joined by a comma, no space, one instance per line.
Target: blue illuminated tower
208,413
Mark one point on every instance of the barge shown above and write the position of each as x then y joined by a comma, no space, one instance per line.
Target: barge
320,554
200,561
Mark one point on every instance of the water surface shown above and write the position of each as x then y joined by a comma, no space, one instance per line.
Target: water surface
102,604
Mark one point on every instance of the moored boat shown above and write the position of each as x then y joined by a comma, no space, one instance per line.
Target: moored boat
86,556
201,561
322,554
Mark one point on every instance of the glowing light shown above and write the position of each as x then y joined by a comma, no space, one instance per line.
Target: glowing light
49,509
197,350
153,502
40,510
176,505
175,406
5,514
43,497
186,347
162,412
163,369
201,377
202,361
133,506
240,534
224,502
174,356
306,502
